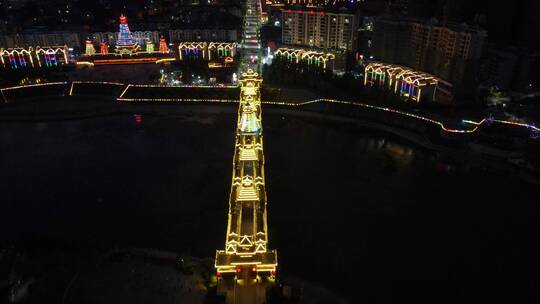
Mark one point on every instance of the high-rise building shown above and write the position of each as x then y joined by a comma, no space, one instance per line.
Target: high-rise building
510,68
35,37
392,41
327,30
451,52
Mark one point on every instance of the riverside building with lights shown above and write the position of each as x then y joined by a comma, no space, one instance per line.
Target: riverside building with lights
126,50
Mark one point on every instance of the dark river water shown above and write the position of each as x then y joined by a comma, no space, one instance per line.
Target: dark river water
372,217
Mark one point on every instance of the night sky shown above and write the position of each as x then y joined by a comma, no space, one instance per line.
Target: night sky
510,22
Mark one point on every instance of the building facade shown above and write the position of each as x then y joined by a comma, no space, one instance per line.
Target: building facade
437,46
324,30
451,52
36,38
203,35
392,41
510,68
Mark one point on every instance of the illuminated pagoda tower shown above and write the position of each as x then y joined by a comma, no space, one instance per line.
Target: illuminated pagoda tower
125,43
90,50
149,46
104,48
163,48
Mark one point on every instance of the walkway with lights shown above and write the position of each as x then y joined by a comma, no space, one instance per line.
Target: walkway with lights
246,267
251,43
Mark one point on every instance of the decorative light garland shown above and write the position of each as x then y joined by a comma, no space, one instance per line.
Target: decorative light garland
177,100
33,85
476,124
209,86
87,63
71,90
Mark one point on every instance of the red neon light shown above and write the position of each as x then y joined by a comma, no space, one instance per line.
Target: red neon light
138,119
289,11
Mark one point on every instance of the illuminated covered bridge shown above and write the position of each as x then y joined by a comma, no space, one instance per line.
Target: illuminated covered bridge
247,264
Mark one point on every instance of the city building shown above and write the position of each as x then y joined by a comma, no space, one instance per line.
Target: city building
312,3
41,37
392,40
365,37
127,49
449,51
510,68
224,35
439,49
320,29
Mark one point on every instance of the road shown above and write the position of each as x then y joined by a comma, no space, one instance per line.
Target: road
251,43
